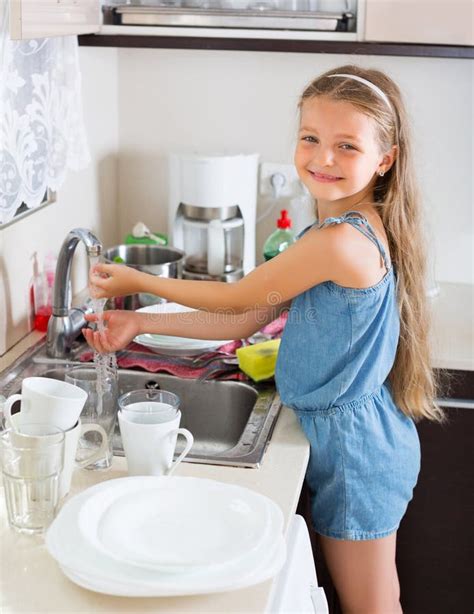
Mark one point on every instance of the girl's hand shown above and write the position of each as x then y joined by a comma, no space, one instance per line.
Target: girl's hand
121,328
107,280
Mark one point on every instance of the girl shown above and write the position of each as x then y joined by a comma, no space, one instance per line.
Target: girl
354,361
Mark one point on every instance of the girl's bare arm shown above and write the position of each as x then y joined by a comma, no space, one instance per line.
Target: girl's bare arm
210,325
319,255
123,326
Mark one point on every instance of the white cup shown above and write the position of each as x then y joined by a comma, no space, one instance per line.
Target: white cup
149,447
71,440
146,412
71,461
47,400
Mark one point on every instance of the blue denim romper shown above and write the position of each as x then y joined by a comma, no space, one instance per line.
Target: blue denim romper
336,352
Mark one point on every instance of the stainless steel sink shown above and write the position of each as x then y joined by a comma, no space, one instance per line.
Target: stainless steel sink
232,422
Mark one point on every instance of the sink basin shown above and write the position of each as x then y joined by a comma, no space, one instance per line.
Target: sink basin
231,421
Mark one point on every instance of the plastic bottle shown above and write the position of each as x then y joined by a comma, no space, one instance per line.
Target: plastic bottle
280,239
301,209
43,284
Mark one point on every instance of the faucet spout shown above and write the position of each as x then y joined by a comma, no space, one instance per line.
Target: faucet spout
61,297
65,323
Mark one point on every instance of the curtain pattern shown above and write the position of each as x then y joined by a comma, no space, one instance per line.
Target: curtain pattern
41,124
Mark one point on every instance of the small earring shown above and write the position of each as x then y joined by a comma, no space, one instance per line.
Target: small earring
381,173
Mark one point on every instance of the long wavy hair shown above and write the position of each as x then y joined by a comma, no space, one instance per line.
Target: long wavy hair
396,198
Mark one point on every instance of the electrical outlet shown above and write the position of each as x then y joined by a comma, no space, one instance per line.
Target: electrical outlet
283,176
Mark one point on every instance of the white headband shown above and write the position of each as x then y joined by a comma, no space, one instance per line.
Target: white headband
372,86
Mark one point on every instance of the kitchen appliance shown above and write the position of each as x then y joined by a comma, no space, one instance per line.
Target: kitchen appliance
212,214
306,15
214,245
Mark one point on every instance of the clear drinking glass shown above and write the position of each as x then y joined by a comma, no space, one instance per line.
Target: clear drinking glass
100,408
32,461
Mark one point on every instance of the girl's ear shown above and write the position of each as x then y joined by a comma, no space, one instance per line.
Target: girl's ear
388,159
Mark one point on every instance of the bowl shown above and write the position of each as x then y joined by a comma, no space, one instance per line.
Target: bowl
153,259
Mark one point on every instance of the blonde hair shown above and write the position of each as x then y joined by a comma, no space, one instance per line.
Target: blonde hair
412,379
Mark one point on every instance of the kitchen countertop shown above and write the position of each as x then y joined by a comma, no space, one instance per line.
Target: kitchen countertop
31,580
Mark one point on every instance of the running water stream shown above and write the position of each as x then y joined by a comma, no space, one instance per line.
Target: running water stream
105,364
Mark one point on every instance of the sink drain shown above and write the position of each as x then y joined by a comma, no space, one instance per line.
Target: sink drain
152,385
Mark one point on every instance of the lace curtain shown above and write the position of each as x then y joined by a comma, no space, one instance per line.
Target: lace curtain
41,125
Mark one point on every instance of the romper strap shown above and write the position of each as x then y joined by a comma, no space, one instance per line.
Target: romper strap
359,221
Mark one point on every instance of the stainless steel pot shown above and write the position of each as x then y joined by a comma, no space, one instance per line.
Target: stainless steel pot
153,259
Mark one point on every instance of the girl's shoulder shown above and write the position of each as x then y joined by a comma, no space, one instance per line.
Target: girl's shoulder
359,257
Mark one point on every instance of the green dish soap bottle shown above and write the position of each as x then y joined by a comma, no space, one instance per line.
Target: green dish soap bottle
280,239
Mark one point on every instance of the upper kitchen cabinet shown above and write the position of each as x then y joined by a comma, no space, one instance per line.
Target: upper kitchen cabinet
437,28
45,18
265,19
439,22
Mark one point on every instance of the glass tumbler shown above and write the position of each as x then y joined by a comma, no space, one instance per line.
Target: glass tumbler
100,408
32,460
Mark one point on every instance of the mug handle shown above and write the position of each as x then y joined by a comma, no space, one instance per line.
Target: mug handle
189,442
104,445
7,409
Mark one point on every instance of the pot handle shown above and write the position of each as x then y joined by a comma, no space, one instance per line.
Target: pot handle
215,248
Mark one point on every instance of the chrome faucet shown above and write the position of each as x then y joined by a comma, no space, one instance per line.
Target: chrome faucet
66,323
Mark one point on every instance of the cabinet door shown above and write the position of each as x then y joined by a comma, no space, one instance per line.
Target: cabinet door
45,18
444,22
435,545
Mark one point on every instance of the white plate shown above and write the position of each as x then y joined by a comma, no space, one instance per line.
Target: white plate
165,308
171,345
174,523
93,570
271,563
178,346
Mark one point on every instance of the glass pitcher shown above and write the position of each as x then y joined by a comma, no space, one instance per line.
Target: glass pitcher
213,247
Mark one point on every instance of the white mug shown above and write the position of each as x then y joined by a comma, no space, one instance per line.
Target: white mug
148,412
71,440
149,447
48,401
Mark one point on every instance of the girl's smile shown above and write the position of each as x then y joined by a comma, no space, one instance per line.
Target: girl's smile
323,177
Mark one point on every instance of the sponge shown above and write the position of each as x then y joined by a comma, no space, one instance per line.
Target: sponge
258,361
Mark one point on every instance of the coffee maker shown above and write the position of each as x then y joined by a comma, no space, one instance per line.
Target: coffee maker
212,214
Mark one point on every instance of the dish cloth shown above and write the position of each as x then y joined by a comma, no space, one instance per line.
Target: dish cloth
139,356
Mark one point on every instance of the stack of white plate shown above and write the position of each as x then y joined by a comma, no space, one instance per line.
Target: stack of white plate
175,346
165,536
